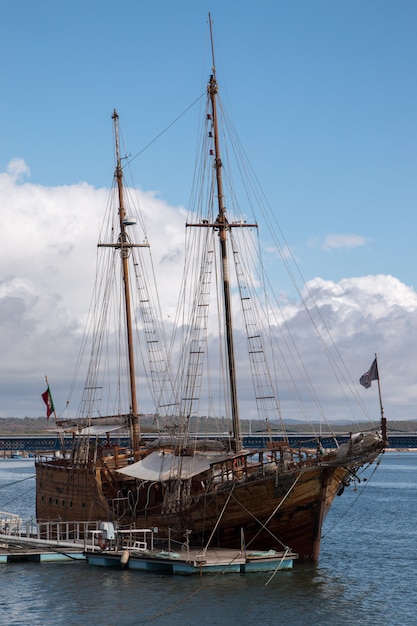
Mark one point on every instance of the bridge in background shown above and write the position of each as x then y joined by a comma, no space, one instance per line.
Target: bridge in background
31,444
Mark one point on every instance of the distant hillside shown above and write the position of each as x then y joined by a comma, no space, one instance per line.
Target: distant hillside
24,425
36,425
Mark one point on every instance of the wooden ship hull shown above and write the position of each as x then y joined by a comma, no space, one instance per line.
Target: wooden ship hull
275,502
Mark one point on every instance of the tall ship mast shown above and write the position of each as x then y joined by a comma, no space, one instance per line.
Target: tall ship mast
125,245
223,226
216,487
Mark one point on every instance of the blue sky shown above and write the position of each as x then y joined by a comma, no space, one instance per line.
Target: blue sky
323,95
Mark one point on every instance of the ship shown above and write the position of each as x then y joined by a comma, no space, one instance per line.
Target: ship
201,487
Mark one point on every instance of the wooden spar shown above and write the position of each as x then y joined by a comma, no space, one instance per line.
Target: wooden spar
222,226
124,252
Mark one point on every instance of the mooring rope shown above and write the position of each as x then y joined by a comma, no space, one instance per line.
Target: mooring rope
263,526
219,518
354,501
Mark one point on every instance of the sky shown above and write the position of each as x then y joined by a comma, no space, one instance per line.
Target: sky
324,97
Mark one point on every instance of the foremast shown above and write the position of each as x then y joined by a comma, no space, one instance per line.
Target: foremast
124,245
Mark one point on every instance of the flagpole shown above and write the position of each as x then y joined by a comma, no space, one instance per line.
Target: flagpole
383,419
53,405
61,436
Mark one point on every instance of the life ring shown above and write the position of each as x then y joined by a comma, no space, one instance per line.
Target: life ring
102,543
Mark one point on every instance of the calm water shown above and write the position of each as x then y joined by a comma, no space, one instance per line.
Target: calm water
367,573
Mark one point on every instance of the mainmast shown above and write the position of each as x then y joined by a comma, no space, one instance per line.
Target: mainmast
223,227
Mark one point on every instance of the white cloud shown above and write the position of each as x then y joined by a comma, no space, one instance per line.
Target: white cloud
47,254
338,242
367,315
18,169
343,241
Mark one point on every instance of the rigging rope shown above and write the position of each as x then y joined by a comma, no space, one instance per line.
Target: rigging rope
337,522
20,495
16,482
220,516
264,526
165,129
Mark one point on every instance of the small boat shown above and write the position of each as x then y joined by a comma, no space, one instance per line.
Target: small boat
178,478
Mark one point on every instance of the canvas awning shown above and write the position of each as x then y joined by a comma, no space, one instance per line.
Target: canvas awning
161,466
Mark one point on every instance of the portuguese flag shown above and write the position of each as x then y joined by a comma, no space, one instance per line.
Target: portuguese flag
47,398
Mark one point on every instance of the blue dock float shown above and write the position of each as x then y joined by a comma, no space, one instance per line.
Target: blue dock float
134,549
213,561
